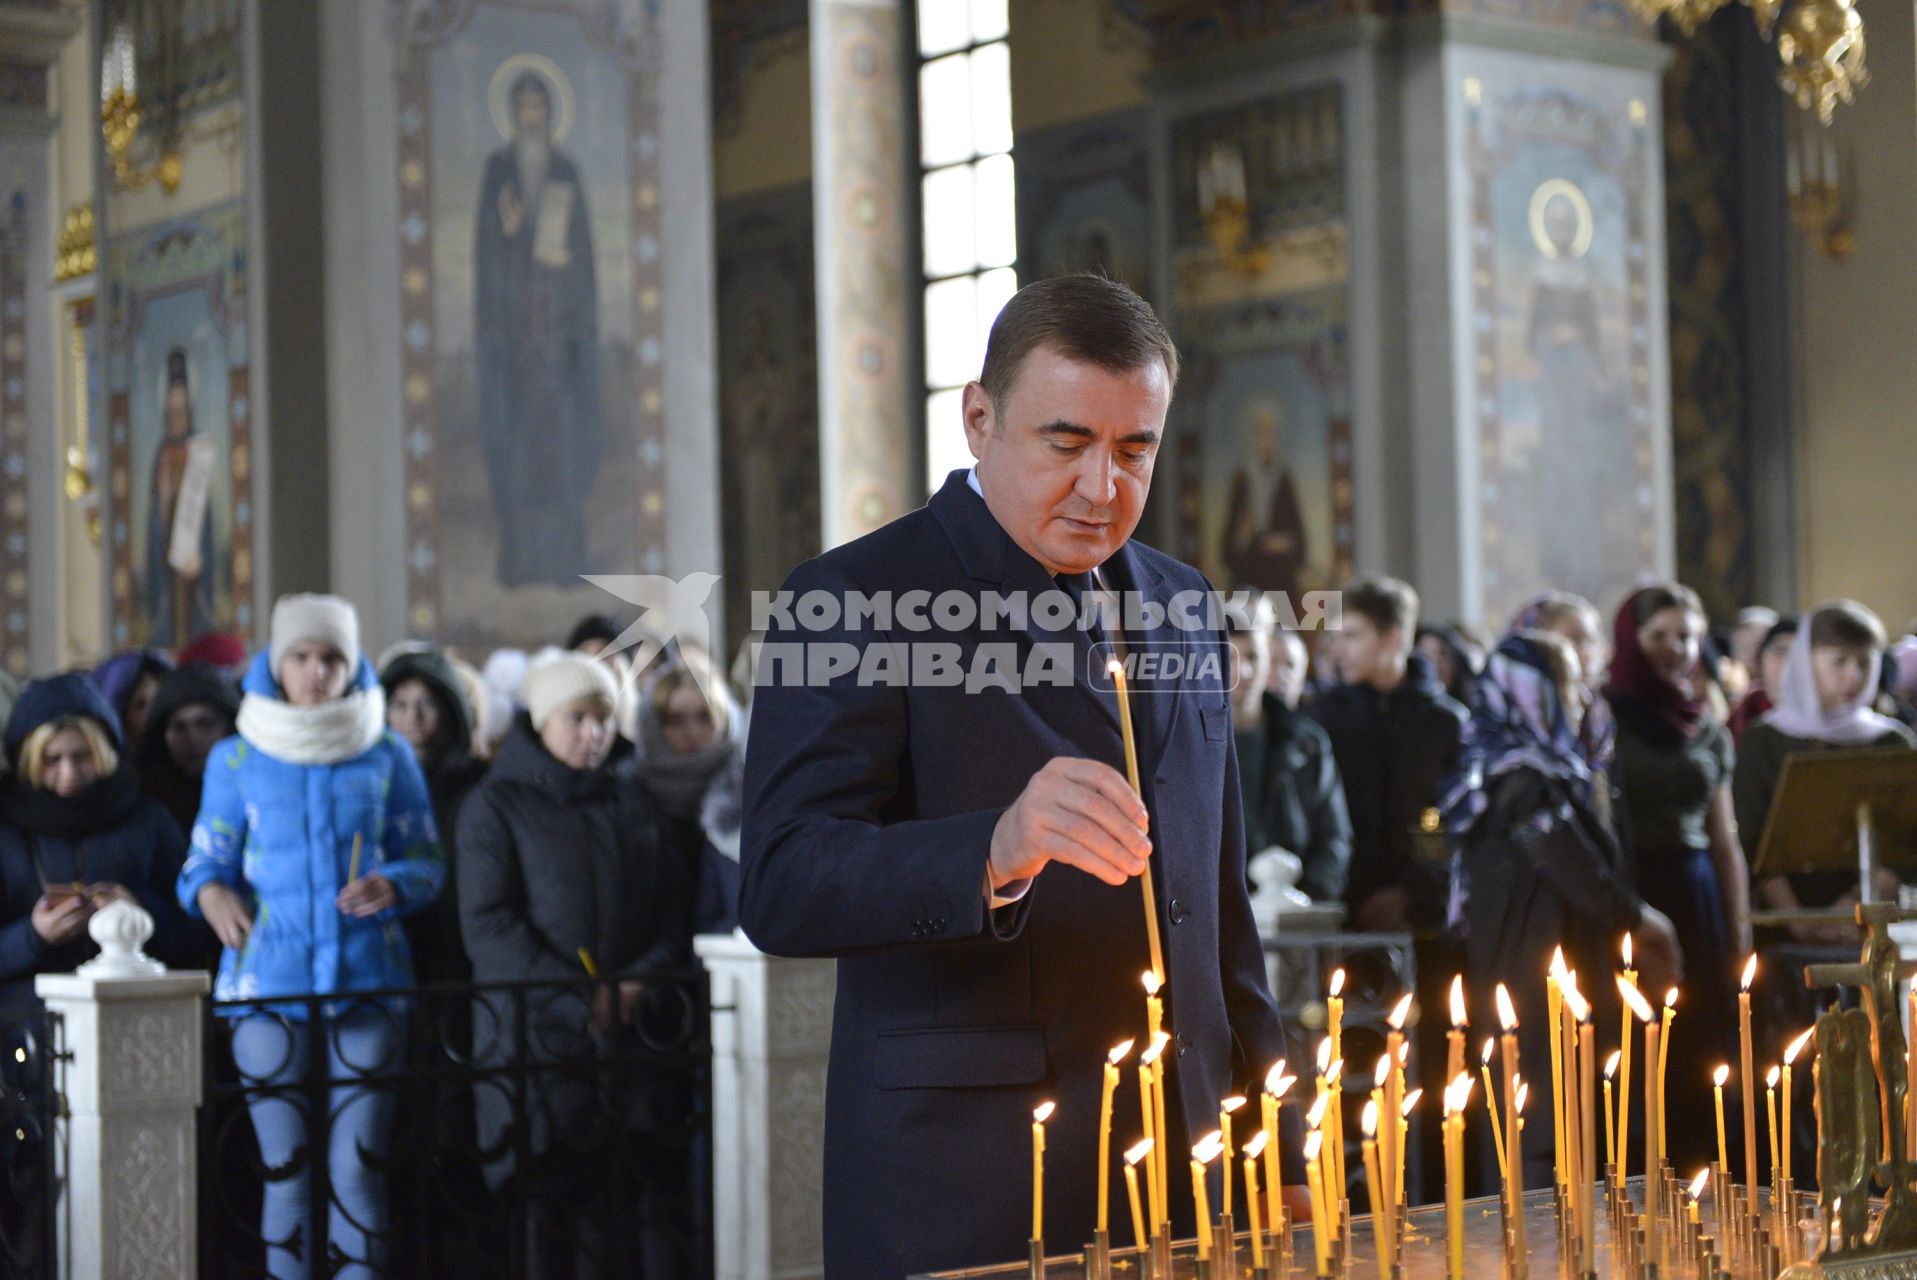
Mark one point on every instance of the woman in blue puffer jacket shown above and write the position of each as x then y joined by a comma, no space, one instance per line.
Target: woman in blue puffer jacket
315,836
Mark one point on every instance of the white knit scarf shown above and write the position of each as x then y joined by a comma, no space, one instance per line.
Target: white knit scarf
325,734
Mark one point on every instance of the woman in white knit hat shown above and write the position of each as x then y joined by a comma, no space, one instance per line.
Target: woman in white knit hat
564,876
315,837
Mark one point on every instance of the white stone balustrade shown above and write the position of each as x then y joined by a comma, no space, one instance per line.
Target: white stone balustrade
771,1029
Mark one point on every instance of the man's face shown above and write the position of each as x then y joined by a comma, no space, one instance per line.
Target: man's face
1770,661
531,116
1066,462
1290,664
1361,650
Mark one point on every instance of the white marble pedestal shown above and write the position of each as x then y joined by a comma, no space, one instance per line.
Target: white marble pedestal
132,1088
771,1028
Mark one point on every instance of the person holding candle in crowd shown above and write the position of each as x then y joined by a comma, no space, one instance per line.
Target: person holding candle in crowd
972,857
1673,776
312,789
1823,704
567,873
1538,867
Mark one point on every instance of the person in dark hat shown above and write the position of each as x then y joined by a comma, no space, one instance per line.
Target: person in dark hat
193,708
127,681
591,634
426,706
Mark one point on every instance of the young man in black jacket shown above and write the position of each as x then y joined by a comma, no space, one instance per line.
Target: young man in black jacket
1395,736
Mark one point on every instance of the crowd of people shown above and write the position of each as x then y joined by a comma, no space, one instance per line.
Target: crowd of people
308,821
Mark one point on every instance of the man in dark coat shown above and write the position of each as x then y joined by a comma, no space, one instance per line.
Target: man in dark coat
970,855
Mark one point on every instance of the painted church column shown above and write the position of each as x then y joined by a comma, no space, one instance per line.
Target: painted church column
863,165
1536,324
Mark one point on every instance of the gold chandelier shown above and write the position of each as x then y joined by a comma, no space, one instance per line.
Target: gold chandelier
122,114
1819,42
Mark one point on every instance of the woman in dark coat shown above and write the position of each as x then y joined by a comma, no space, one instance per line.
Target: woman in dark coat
193,708
565,874
1538,865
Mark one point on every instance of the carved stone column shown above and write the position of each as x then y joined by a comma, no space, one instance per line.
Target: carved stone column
132,1087
771,1028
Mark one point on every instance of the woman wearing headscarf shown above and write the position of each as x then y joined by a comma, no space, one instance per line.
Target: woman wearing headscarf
565,874
315,838
1823,704
129,680
690,735
426,706
1673,776
1538,867
193,708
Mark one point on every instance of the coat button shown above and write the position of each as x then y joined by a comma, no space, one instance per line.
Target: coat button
1177,911
1184,1046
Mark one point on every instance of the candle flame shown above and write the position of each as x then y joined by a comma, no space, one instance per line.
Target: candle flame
1324,1055
1337,984
1610,1063
1627,951
1120,1052
1576,1005
1634,998
1457,1002
1370,1121
1284,1086
1208,1147
1410,1101
1750,973
1316,1116
1796,1046
1337,1069
1670,998
1770,1080
1507,1016
1157,1047
1231,1104
1256,1147
1134,1154
1043,1112
1404,1053
1383,1072
1115,667
1524,1095
1696,1190
1152,984
1557,963
1723,1073
1399,1012
1274,1076
1456,1094
1313,1141
1490,1047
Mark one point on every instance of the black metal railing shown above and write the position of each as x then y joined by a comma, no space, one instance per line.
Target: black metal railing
31,1051
501,1130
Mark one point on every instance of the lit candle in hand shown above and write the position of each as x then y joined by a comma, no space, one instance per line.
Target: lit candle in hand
1117,670
1118,1054
1039,1117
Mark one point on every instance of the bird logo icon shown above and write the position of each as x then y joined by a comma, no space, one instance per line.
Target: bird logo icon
672,619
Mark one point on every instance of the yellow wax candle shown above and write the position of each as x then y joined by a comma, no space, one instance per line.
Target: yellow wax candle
1277,1084
1394,1095
1636,1005
1405,1109
1039,1117
1374,1185
1456,1097
1118,1054
1554,1006
1154,1004
1201,1155
1154,1188
1790,1055
1117,670
1140,1238
1491,1107
1748,1078
1910,1073
1610,1116
1335,1014
1663,1057
1315,1189
1162,1153
1587,1136
1454,1038
1336,1181
585,962
1225,1152
1580,1077
1696,1192
352,870
1513,1152
1253,1149
1624,1070
1770,1107
1718,1078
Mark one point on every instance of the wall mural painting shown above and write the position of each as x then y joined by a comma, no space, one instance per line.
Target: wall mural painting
531,309
1084,200
1260,296
1559,222
769,399
179,429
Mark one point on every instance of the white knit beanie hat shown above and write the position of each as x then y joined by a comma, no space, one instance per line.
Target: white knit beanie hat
556,677
312,617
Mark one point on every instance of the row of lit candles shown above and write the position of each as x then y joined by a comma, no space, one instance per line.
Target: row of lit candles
1574,1109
